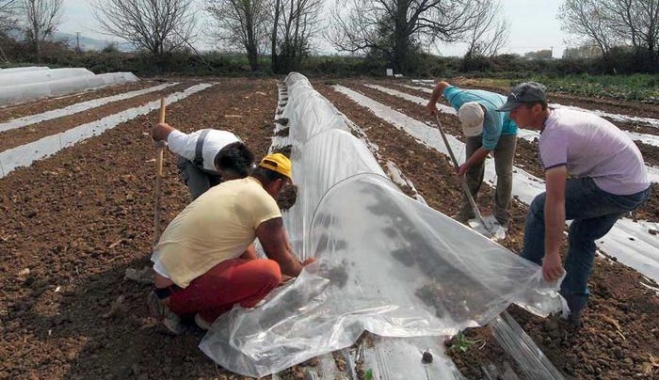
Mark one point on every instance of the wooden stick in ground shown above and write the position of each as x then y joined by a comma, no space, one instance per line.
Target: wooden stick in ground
159,158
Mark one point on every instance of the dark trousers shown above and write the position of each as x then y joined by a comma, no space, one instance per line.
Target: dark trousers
504,154
195,178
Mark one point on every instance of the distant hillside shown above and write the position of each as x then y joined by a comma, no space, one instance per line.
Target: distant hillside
87,43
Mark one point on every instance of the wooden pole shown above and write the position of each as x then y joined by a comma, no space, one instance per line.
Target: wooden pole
159,159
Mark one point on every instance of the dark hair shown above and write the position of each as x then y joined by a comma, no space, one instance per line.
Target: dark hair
267,176
236,159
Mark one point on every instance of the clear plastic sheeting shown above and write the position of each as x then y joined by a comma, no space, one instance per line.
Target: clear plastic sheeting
311,113
465,278
335,155
21,69
387,263
530,359
386,356
23,86
35,76
110,79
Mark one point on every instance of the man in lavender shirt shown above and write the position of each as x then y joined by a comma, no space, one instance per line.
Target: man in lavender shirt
607,178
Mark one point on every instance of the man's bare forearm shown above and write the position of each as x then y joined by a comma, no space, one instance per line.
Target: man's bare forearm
554,225
291,267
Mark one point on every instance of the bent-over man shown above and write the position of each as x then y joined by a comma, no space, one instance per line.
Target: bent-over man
486,131
206,157
594,173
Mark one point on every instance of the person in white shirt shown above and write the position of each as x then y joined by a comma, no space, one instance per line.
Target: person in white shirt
207,157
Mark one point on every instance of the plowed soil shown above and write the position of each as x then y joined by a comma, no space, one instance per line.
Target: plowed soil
73,223
43,105
19,136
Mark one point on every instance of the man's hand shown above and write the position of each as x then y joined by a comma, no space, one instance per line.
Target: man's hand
161,131
308,261
436,94
462,169
285,279
431,107
552,267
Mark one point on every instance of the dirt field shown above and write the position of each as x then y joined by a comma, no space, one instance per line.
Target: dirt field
73,223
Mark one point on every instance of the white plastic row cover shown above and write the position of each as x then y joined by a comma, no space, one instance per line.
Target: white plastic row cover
27,91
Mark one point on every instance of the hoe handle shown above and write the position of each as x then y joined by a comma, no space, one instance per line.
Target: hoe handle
159,159
448,147
161,119
472,202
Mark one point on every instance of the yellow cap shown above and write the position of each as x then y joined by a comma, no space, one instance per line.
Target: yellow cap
279,163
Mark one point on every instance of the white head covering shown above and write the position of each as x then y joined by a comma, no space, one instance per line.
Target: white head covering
471,117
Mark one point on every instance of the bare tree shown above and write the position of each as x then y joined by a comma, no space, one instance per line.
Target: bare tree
635,21
8,10
276,15
612,23
586,18
294,22
8,21
490,32
41,19
157,26
242,24
399,28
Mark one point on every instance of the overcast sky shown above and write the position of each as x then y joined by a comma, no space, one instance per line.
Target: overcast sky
533,26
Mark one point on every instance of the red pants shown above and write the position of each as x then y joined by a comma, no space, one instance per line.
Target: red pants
230,282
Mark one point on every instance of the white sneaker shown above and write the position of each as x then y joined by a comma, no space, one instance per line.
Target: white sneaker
499,232
166,317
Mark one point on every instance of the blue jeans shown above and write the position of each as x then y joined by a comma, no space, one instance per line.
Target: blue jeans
593,212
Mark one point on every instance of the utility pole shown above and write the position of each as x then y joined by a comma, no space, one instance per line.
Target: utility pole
78,42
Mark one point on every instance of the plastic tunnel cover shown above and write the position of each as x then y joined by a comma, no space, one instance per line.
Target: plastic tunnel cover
325,160
386,264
